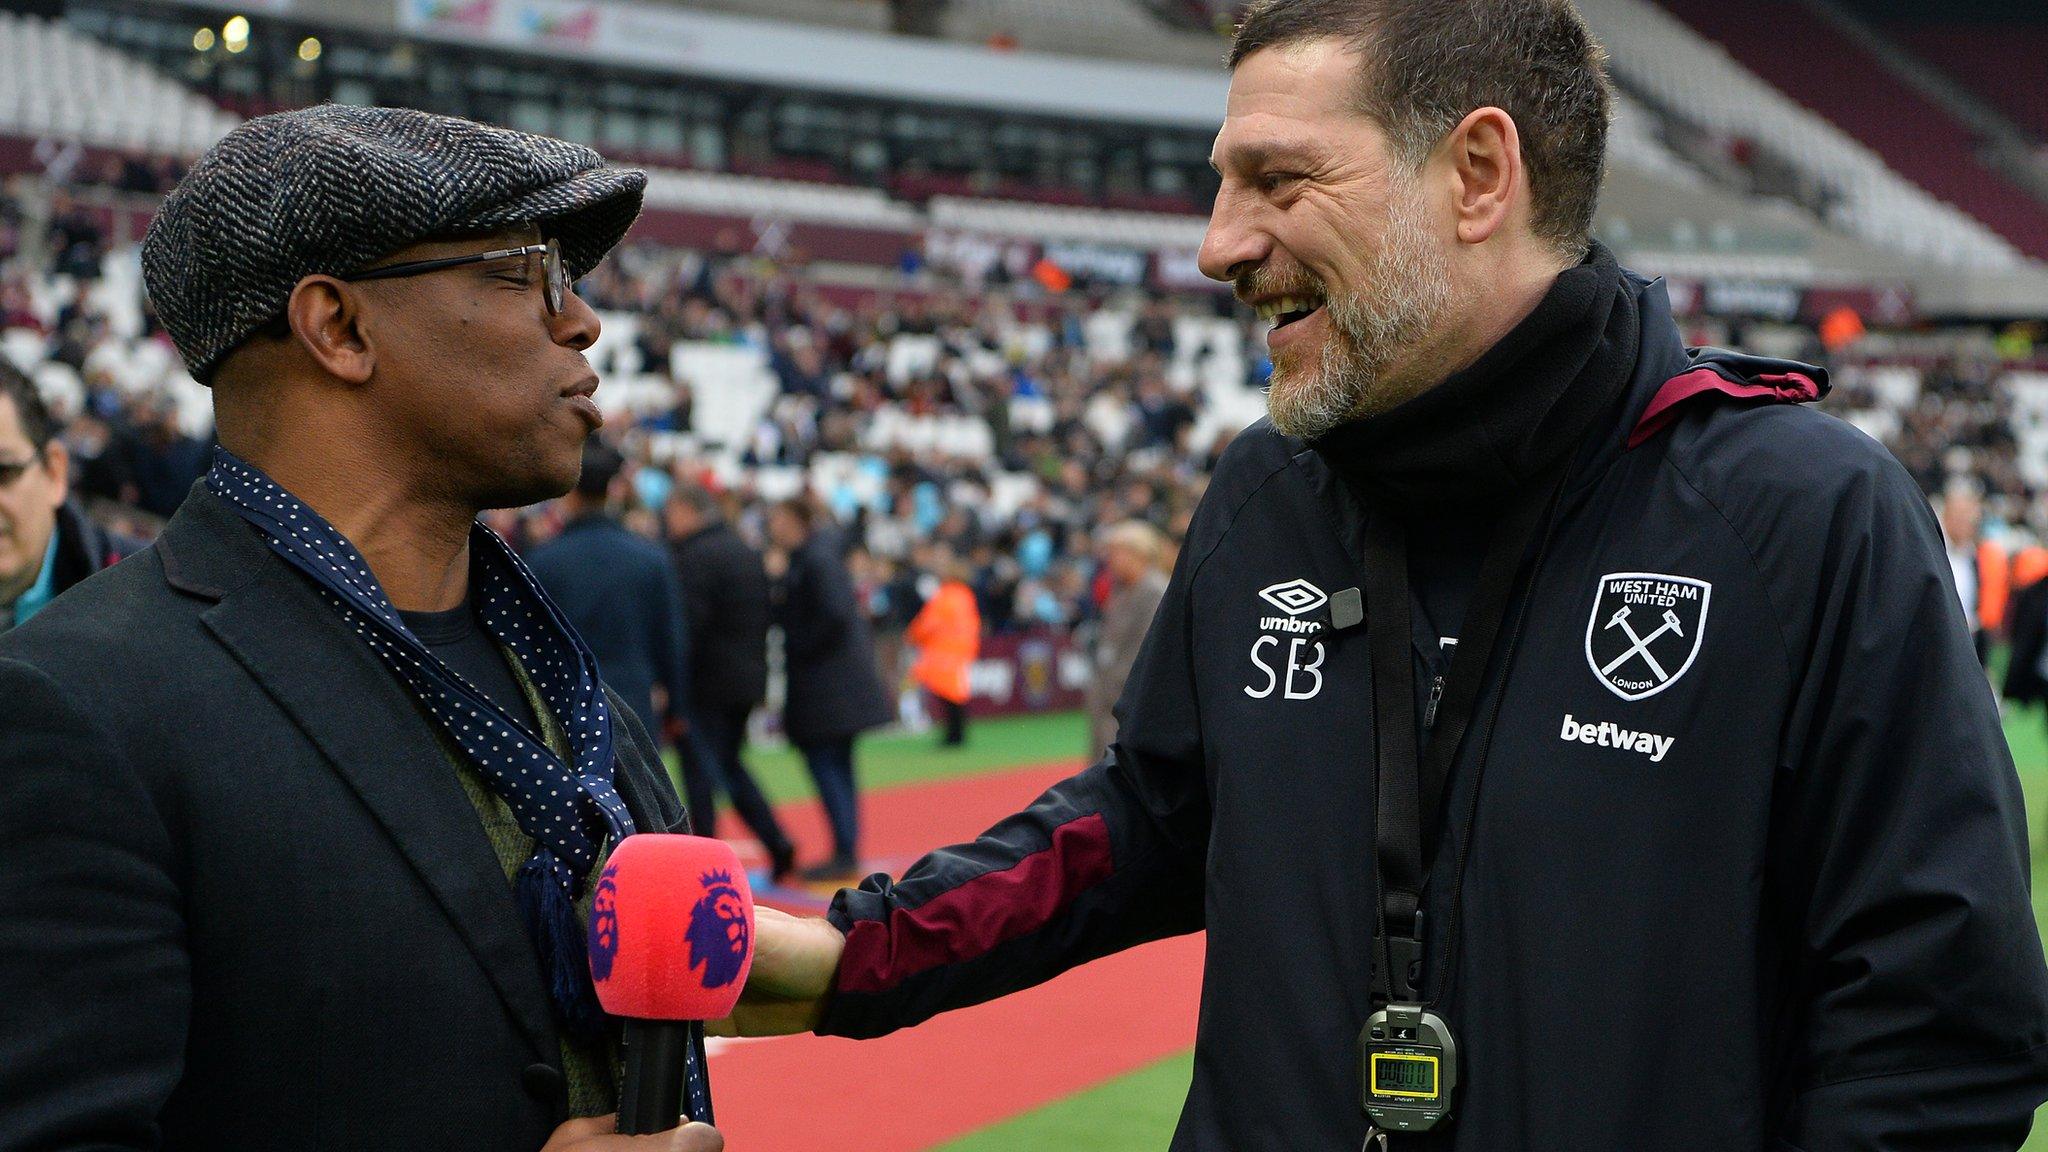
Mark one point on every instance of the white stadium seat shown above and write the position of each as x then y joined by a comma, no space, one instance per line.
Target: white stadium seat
54,82
1657,54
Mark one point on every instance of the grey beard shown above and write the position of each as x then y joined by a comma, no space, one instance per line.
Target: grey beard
1407,293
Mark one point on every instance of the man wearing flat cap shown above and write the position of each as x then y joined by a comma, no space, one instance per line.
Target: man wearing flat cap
299,808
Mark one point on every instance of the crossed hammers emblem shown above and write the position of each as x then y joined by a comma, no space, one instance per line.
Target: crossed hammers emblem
1641,644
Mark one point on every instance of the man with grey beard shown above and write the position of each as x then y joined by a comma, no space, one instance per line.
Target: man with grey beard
1566,738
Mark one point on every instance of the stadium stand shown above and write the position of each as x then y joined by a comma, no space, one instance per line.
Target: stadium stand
1635,139
1812,61
1118,28
1146,230
863,15
56,83
1688,185
1685,75
895,350
2000,64
751,196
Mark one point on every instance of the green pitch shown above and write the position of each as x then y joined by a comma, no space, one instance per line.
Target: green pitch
1132,1113
882,761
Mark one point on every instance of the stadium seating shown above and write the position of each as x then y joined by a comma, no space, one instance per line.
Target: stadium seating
1147,230
2005,66
1817,64
1683,73
862,15
56,83
1635,140
751,196
1118,28
733,388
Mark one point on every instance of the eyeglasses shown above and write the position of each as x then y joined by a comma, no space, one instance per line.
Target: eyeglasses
13,470
550,252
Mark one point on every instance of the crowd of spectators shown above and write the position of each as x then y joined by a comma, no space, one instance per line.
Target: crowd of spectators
1102,442
1074,442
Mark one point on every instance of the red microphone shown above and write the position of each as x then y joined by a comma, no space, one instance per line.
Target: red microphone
671,941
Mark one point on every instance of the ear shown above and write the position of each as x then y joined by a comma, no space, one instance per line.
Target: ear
326,316
1485,156
57,462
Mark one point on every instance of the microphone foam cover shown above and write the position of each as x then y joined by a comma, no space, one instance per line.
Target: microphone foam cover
671,928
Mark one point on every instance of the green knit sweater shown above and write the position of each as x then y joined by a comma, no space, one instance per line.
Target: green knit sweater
591,1067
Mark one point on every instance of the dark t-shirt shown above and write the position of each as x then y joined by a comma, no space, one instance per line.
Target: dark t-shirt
457,636
459,639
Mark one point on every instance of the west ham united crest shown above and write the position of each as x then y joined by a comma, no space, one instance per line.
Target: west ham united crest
1646,629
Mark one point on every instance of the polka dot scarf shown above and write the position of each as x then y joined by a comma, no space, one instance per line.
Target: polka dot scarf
568,810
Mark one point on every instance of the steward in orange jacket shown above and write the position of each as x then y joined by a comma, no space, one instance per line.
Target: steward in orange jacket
947,633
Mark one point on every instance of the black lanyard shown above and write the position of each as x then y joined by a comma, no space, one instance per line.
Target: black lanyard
1411,787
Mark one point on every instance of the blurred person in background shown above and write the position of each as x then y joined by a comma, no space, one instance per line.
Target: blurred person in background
160,460
47,543
947,635
887,590
725,596
833,693
1978,564
619,591
2026,666
1132,555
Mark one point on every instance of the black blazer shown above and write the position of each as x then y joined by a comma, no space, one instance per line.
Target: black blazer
244,901
725,595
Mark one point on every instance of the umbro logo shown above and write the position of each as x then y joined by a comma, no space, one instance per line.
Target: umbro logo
1294,597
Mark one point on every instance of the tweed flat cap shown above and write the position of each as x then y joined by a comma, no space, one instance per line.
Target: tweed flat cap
331,188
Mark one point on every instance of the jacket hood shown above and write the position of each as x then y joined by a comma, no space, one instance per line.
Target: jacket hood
1671,377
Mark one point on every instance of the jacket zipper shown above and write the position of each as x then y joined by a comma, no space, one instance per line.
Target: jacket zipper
1436,696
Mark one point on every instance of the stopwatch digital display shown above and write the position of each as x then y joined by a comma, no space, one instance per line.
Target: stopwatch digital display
1409,1064
1413,1075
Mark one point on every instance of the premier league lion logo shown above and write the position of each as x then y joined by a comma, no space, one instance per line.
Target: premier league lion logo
718,931
604,925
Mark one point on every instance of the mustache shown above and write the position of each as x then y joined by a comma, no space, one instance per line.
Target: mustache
1265,281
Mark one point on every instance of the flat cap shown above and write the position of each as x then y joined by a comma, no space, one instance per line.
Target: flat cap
331,188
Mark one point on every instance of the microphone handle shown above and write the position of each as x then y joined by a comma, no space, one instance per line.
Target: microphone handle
651,1099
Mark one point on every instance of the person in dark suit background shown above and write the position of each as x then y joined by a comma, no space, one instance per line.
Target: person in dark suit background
157,457
2026,666
834,693
725,596
619,592
301,803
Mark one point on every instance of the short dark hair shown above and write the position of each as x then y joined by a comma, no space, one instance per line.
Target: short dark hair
601,465
36,421
698,498
800,509
1429,63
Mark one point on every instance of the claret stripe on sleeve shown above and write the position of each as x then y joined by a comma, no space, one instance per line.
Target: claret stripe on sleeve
980,915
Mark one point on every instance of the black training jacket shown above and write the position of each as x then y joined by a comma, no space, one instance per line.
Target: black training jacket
1749,868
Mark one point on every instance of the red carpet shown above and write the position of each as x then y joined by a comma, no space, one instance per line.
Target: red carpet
963,1070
